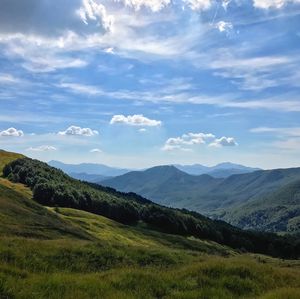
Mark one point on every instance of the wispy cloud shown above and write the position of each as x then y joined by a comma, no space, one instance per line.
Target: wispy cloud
42,148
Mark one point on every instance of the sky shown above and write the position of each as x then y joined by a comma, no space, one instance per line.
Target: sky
138,83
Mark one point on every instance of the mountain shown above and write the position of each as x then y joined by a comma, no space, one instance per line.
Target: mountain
92,178
212,196
221,170
88,168
278,211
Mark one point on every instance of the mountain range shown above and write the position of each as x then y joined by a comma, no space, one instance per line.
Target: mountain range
221,170
264,199
92,172
88,168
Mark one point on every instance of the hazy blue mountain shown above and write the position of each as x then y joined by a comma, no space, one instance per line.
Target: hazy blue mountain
217,197
194,169
89,168
225,169
92,178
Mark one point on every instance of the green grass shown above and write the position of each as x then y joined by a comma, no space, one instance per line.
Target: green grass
120,261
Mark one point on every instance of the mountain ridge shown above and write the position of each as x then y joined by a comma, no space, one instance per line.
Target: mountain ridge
214,197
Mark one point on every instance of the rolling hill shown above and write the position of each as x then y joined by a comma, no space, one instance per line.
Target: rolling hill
60,252
215,197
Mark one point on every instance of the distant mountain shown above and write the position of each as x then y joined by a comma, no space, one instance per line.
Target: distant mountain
89,168
92,178
220,170
217,197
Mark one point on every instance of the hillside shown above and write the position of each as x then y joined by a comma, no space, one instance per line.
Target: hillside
126,262
51,187
71,254
7,157
278,211
205,194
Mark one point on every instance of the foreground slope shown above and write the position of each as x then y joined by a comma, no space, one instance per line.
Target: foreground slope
118,261
212,196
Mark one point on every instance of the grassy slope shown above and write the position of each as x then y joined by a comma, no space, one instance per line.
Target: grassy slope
133,262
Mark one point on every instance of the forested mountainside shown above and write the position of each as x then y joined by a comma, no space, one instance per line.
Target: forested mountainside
223,198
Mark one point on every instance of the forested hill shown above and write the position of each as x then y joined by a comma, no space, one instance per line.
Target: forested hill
52,187
266,200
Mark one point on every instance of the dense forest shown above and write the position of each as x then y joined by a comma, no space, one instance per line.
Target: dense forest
52,187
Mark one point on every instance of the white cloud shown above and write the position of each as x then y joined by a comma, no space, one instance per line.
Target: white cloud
81,88
135,120
95,12
95,150
154,5
42,148
189,139
292,131
74,130
225,4
50,64
142,130
223,141
199,4
223,26
8,79
267,4
11,132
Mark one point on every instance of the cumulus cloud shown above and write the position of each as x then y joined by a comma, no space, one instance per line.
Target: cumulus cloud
199,4
185,141
42,148
11,132
223,141
74,130
95,150
135,120
268,4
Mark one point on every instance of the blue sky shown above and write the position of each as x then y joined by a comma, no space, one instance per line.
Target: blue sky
137,83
